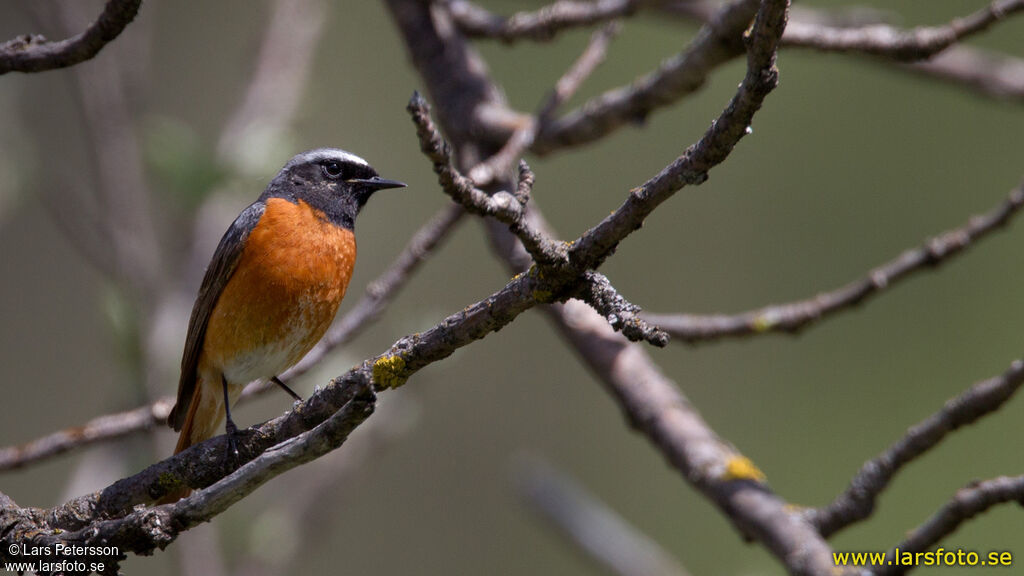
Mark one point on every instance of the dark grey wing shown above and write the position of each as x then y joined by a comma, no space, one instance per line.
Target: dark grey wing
222,266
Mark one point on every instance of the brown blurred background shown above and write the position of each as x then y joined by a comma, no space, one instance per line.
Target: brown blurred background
850,163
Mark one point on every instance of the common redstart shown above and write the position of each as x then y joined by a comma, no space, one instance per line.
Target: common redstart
272,288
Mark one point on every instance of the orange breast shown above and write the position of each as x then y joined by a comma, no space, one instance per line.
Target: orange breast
282,296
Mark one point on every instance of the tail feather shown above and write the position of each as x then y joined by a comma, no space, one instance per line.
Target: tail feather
205,416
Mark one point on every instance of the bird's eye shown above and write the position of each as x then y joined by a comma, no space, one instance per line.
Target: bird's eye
332,169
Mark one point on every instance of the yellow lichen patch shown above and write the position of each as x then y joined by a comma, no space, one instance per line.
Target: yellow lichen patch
543,296
742,468
763,324
388,371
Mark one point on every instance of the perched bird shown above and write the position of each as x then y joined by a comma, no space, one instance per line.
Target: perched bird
272,288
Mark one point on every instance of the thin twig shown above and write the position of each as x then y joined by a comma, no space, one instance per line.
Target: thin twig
714,146
621,314
97,430
33,53
522,138
718,41
858,501
793,317
476,21
602,535
989,73
968,502
890,42
503,206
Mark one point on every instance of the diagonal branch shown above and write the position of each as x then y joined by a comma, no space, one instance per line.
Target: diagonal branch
475,21
621,314
601,534
793,317
30,53
858,501
713,147
968,502
989,73
886,41
524,136
718,41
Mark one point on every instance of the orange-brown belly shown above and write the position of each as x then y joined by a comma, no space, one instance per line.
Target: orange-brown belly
282,296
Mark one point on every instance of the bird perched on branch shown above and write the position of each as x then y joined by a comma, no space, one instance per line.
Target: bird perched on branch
272,288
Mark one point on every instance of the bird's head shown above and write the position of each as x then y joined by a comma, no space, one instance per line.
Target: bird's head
332,181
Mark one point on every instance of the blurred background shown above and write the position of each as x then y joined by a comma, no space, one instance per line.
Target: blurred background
851,161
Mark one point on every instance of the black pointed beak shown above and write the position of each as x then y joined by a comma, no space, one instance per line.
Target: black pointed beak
377,183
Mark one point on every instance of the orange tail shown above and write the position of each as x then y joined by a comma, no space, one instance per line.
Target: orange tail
204,418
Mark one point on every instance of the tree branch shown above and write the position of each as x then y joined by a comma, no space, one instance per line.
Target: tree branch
621,314
368,310
657,409
991,74
30,53
713,147
793,317
881,40
523,137
475,21
969,501
596,530
718,41
858,501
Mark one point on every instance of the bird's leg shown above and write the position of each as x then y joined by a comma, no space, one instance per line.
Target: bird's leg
285,387
229,424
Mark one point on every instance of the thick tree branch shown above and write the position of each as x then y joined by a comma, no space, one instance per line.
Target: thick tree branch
657,409
475,21
858,501
793,317
30,53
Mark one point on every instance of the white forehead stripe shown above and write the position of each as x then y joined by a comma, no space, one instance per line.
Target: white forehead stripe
321,154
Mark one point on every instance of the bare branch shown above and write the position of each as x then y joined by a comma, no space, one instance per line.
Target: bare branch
30,53
714,146
718,41
881,40
621,314
522,138
96,430
969,501
793,317
858,501
476,21
991,74
601,534
503,206
657,409
368,310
